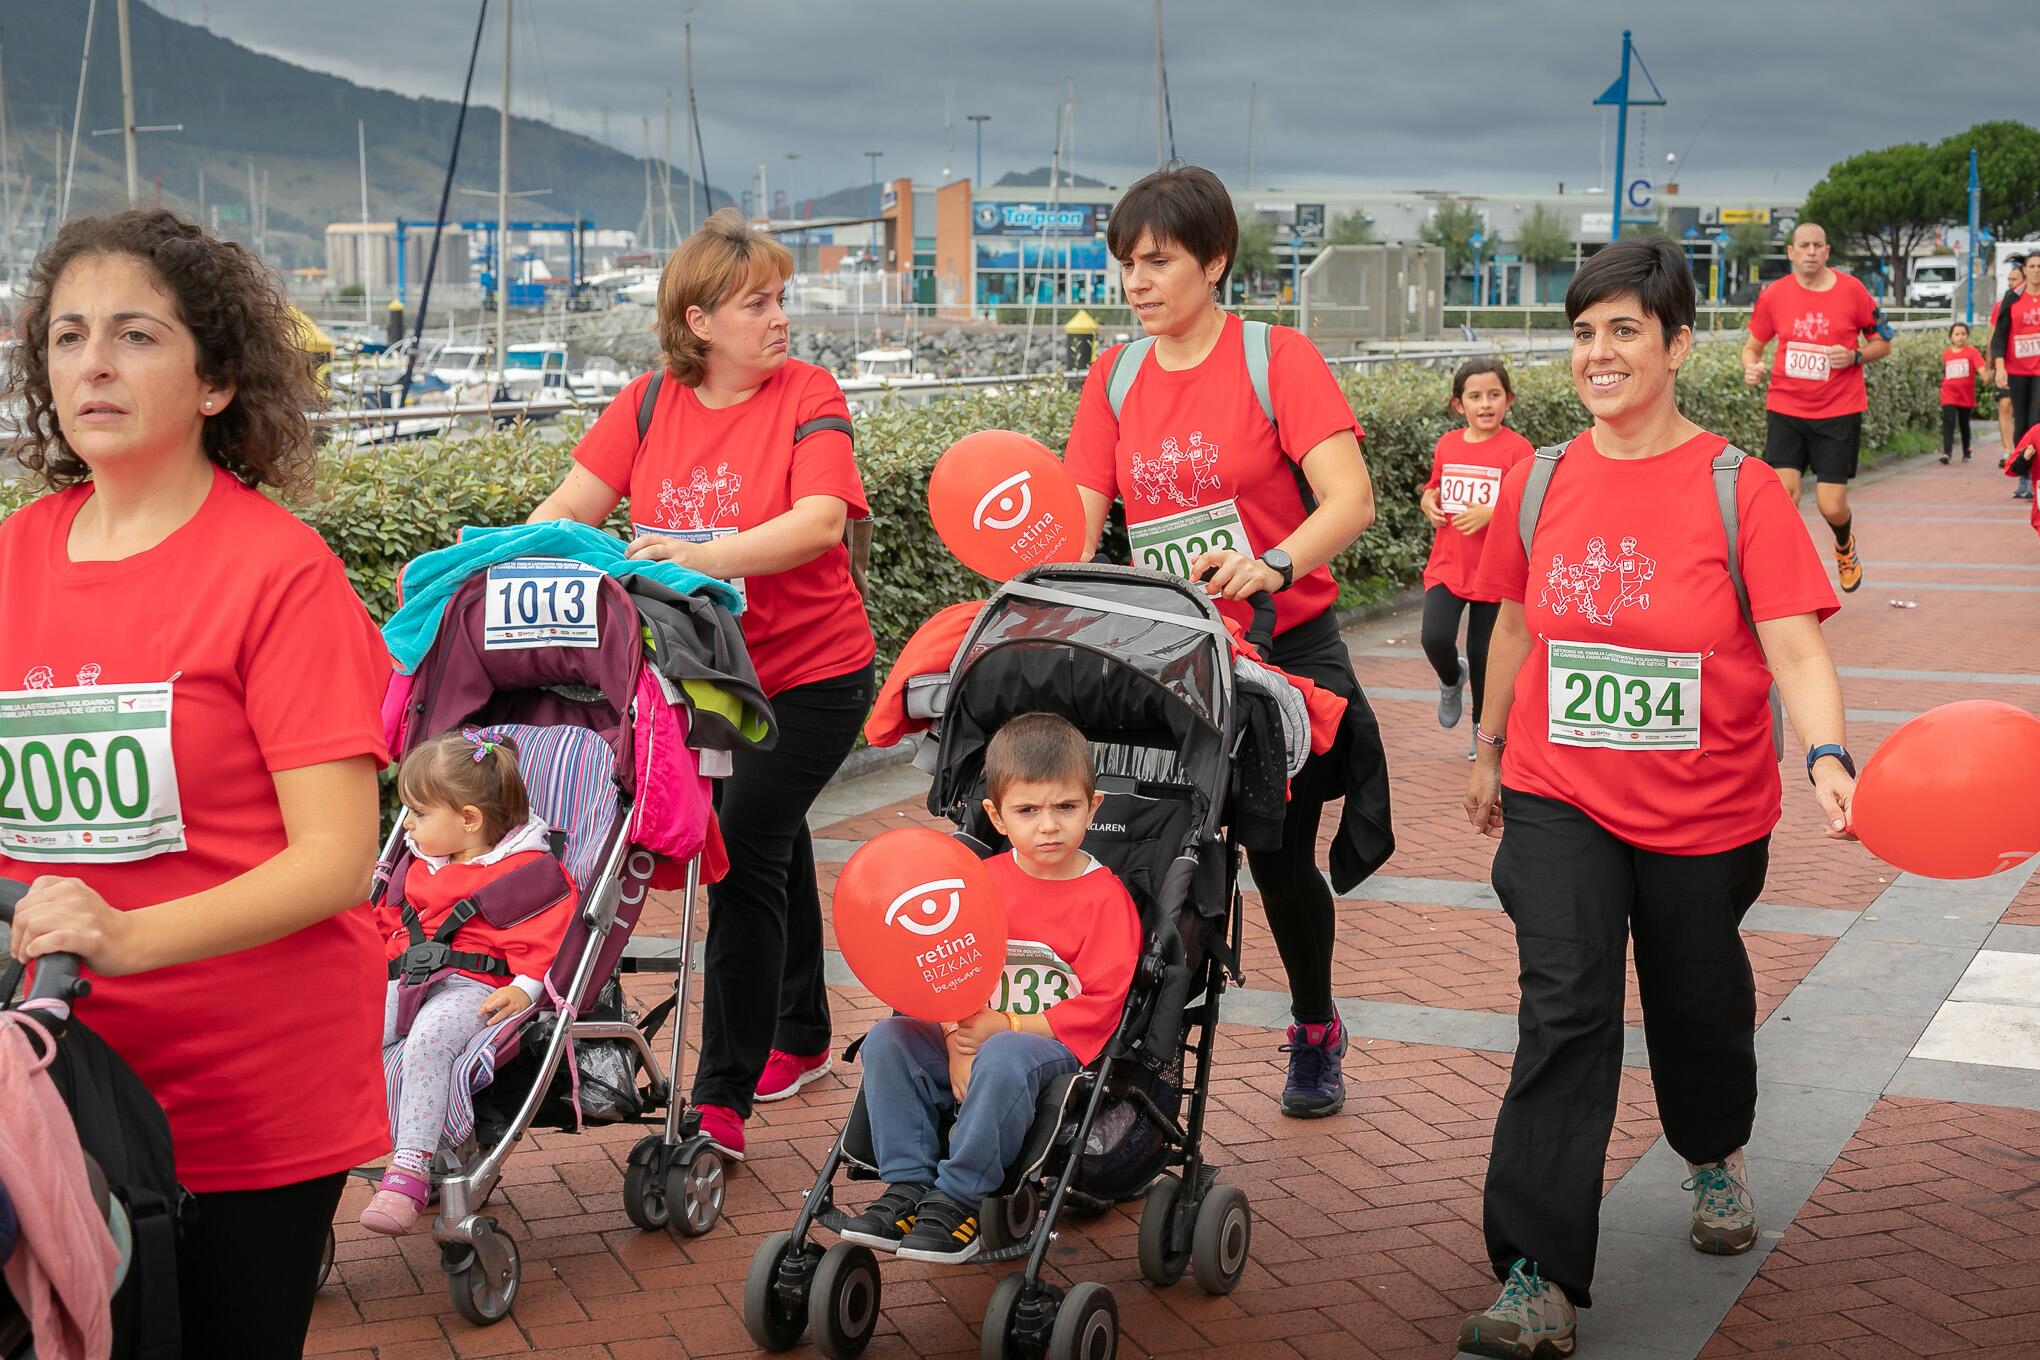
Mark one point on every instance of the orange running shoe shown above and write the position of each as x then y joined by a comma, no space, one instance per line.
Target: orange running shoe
1848,566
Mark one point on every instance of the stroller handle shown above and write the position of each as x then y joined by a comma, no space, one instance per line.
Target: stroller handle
56,975
1261,628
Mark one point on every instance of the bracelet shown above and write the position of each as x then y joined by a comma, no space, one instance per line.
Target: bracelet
1484,739
1012,1021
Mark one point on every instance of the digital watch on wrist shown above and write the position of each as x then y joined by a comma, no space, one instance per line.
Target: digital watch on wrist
1840,753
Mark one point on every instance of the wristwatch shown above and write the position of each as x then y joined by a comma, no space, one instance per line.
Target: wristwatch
1284,566
1840,753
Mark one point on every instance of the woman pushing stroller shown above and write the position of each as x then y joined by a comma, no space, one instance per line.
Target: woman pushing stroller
470,929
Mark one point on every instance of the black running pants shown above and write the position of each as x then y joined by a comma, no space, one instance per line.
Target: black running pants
1440,636
1953,417
248,1268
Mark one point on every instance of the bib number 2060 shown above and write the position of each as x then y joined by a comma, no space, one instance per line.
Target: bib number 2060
87,773
85,780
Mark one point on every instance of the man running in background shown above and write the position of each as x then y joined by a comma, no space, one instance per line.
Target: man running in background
1827,327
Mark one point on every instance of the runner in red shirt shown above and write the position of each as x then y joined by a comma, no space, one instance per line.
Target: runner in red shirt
2016,263
1213,490
2015,350
1459,500
1960,363
1638,788
193,659
746,473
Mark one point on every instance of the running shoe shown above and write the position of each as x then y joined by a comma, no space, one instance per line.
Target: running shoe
1724,1210
785,1073
1848,566
1532,1320
943,1231
1317,1084
1452,698
887,1219
725,1130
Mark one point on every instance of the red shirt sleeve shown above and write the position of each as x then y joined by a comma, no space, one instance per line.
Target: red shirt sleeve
1761,324
314,668
609,447
1437,462
1092,453
1504,570
824,464
1309,406
1780,566
1104,967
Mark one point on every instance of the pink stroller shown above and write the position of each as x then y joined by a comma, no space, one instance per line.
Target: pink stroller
605,761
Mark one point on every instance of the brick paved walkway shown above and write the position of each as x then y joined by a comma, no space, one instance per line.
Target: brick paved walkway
1900,1186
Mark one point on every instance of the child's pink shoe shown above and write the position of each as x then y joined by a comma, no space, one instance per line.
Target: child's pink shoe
395,1206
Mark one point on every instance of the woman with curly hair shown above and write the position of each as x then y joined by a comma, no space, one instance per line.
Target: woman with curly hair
187,667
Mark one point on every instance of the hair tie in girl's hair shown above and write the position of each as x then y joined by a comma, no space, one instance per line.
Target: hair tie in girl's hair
485,741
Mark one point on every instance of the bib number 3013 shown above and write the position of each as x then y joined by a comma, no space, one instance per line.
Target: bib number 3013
540,602
1623,699
86,774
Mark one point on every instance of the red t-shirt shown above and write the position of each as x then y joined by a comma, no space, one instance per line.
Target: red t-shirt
710,471
527,947
273,665
1194,458
1959,367
1805,323
1086,927
1466,473
1629,554
2022,336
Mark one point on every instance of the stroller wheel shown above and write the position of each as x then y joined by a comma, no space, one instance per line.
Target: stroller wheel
694,1189
1218,1244
776,1292
1158,1213
843,1305
644,1185
325,1261
484,1287
998,1341
1086,1325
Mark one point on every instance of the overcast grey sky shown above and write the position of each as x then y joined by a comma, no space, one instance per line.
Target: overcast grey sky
1459,94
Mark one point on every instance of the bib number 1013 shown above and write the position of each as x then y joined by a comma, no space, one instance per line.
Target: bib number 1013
540,602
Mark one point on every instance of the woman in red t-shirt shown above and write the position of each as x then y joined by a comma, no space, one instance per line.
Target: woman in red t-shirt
745,473
213,684
1639,783
1216,489
1459,500
2015,351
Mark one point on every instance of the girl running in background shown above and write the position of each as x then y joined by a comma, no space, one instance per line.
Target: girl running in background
1960,363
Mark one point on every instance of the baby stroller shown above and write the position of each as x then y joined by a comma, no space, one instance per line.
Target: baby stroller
576,709
126,1141
1140,663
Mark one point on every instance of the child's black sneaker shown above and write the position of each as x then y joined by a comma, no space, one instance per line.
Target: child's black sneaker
887,1219
943,1231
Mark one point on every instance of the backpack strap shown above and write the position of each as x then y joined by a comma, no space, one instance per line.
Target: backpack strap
645,405
1533,492
1727,468
1125,368
1255,336
820,423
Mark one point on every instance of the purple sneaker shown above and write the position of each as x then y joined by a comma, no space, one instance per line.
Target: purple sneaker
1316,1085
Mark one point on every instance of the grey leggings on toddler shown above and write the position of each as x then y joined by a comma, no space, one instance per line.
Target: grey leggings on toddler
439,1034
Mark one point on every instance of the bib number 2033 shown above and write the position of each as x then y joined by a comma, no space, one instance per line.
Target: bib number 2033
86,773
1170,544
1623,699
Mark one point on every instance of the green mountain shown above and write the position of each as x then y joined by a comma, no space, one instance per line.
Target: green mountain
240,109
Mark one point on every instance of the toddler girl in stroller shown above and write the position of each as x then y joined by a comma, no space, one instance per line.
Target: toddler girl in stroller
470,929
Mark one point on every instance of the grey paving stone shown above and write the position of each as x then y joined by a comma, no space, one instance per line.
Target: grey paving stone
2015,939
1971,1083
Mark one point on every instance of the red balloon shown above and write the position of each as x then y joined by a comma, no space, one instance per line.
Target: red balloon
1002,503
1950,794
921,924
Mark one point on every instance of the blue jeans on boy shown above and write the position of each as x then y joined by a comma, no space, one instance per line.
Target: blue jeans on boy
906,1090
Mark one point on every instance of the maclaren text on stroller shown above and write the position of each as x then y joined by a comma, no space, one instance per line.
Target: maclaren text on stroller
576,699
1140,662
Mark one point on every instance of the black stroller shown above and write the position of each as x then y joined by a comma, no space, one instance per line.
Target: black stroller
1140,663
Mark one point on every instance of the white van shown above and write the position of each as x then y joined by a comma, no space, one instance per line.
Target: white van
1934,281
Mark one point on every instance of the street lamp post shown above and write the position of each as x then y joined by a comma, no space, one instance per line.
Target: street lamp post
980,119
792,202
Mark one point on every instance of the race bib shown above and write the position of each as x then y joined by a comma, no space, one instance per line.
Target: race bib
1462,486
2026,346
1628,700
1169,543
540,602
735,583
1809,362
1955,370
86,773
1035,979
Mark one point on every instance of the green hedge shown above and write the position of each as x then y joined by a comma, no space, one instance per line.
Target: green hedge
380,510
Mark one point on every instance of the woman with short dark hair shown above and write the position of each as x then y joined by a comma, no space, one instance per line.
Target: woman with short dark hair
1654,585
1238,460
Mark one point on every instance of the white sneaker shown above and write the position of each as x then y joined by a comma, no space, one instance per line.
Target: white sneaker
1724,1210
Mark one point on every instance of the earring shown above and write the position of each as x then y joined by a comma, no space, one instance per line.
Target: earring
207,406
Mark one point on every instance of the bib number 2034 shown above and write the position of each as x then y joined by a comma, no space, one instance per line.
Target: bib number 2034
540,602
1623,699
86,773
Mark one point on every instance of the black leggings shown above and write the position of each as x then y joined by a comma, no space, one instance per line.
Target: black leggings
2025,394
1441,637
1951,418
763,985
248,1265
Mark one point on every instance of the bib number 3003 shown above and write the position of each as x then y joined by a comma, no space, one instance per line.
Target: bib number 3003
86,774
1623,699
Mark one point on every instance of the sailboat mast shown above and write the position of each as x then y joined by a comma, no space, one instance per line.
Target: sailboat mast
692,132
127,100
1161,144
503,217
70,167
361,145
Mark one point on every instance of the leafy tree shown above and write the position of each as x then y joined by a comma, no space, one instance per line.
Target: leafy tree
1353,229
1885,204
2008,174
1748,242
1255,258
1543,239
1451,228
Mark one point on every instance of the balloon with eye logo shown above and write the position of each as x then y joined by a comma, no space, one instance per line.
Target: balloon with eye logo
1002,502
921,924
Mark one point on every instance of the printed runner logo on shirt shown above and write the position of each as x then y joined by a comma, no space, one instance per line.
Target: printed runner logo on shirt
1464,485
1035,979
86,772
694,511
1584,587
540,602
